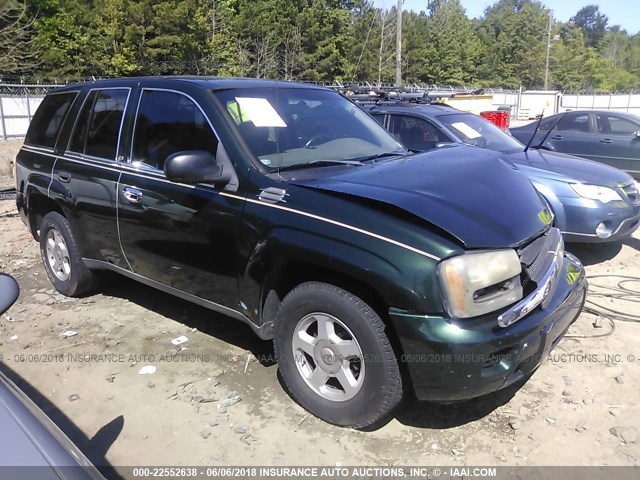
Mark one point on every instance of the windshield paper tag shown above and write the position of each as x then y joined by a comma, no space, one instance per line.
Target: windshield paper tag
260,112
466,130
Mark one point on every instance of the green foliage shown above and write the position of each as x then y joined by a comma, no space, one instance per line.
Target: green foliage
452,49
592,23
514,34
18,51
346,40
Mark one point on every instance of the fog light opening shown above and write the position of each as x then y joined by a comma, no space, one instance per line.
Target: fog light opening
603,230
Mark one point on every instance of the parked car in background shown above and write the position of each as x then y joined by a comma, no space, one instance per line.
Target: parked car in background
608,137
591,202
286,207
31,445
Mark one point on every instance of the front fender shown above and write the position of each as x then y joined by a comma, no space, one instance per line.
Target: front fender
560,220
402,278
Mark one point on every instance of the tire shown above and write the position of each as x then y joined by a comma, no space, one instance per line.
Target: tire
61,257
357,354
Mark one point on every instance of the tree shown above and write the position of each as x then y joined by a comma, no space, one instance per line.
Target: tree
387,48
66,39
365,38
593,24
451,46
315,40
570,59
18,52
513,32
292,53
326,42
222,57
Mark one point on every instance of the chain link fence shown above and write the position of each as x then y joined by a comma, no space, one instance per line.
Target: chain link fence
18,103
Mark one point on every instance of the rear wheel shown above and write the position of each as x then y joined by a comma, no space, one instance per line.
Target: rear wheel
334,356
61,257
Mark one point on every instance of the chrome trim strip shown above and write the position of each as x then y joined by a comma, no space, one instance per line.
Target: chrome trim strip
37,149
263,332
545,288
118,221
122,165
53,169
58,92
133,127
579,234
349,227
124,117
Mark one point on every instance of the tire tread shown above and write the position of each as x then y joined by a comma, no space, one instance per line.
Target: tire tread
394,390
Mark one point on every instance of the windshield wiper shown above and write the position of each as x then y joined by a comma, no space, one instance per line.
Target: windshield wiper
544,139
535,131
376,156
316,163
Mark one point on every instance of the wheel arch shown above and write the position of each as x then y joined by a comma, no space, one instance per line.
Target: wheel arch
38,205
287,258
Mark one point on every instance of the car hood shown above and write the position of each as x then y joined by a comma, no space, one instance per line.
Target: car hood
471,193
574,168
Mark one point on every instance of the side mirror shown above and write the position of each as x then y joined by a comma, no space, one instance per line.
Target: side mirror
9,292
636,134
196,166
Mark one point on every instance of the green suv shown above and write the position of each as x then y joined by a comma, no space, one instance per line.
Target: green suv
287,207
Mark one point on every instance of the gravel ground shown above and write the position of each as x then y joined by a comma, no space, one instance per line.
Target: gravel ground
8,150
216,399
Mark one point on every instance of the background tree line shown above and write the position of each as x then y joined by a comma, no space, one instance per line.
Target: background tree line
346,40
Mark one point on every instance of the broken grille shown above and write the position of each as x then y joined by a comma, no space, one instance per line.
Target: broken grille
539,254
632,192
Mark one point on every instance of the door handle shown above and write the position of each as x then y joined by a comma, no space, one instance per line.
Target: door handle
64,177
606,140
557,137
133,195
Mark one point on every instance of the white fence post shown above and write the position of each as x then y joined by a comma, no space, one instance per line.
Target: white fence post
4,127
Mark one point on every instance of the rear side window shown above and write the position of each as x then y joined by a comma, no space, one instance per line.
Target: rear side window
573,122
48,119
548,123
378,118
97,129
615,125
416,133
167,123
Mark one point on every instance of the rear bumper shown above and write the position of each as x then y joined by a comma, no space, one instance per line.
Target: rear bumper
450,360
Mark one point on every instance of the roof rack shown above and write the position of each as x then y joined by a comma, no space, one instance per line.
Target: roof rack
393,98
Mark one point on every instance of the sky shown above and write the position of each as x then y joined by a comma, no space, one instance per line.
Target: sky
620,12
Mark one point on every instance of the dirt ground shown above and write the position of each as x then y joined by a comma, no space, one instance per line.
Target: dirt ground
579,408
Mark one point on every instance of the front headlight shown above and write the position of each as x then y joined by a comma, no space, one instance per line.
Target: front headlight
479,283
596,192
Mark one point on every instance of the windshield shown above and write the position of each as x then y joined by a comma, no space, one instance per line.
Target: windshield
290,127
473,130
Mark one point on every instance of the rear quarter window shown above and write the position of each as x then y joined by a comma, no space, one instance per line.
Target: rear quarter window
48,120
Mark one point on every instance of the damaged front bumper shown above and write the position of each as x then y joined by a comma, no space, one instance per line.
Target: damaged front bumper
450,359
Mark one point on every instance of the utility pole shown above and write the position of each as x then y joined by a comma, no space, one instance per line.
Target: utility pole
399,44
546,68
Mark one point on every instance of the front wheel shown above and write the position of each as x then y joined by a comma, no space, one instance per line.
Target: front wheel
334,356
